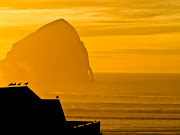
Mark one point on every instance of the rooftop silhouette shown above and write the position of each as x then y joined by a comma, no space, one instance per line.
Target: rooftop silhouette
23,111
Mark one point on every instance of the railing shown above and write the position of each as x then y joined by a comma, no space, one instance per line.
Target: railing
86,128
87,124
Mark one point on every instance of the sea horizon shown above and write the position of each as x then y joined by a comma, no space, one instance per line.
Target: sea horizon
125,106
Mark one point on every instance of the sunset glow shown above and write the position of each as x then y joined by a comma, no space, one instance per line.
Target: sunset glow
120,36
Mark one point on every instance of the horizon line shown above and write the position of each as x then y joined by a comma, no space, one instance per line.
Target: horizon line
138,72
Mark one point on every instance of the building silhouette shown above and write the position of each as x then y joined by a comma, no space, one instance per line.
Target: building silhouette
22,112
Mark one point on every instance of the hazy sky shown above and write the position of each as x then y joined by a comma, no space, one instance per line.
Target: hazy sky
120,35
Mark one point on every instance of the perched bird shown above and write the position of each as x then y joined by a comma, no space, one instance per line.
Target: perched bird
26,83
10,84
19,84
14,84
57,96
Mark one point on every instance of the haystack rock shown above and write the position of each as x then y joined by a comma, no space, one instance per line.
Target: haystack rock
53,57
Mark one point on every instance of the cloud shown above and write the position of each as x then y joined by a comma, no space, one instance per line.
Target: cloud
119,17
116,30
117,22
107,29
139,52
56,4
92,18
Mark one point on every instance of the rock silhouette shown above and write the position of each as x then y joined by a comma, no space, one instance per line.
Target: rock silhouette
53,57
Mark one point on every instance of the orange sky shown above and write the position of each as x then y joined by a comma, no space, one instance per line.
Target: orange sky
120,36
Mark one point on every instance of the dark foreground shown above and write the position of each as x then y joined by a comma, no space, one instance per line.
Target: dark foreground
22,111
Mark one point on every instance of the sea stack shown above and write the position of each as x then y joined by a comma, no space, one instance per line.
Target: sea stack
52,57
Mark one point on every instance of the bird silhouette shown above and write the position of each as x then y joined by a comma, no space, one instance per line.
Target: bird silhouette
26,83
57,96
12,84
19,84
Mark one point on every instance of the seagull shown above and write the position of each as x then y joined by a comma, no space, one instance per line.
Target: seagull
10,84
19,84
26,83
14,84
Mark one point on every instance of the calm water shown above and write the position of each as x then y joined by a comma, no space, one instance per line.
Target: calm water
131,104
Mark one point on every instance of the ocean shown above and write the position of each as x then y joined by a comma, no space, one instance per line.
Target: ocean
128,104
